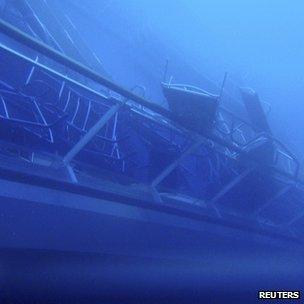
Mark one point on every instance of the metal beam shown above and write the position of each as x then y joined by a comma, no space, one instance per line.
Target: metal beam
91,133
274,198
173,165
44,49
72,174
229,186
51,71
295,219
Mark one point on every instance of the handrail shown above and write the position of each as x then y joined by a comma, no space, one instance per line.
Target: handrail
21,37
27,40
188,87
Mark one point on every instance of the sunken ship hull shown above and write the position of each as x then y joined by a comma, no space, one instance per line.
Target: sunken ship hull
61,242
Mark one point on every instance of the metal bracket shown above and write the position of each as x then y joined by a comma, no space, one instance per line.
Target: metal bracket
229,186
91,133
173,165
274,198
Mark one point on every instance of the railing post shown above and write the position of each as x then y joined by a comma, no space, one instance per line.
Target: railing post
91,133
173,165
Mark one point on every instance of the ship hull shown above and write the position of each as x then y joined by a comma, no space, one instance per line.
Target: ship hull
59,244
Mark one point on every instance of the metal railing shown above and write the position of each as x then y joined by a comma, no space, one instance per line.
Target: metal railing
127,98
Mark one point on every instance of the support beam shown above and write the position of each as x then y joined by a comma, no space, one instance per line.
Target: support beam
91,133
72,174
273,199
173,165
295,219
229,186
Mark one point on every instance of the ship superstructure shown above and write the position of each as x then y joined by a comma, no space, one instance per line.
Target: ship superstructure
89,166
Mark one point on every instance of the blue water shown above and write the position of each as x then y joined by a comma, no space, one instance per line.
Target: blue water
258,44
